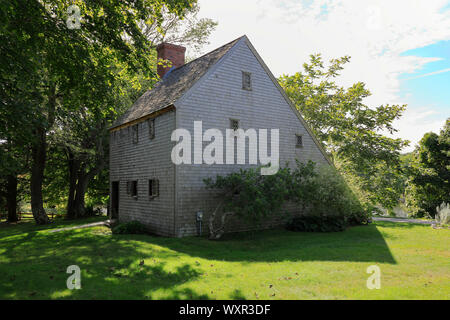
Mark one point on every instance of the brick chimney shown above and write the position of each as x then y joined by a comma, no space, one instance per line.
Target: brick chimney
172,52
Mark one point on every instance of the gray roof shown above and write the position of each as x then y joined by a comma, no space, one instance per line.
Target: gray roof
168,90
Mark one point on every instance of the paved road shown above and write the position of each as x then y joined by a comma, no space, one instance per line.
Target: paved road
403,220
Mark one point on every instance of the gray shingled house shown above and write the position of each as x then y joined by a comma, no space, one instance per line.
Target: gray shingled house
230,86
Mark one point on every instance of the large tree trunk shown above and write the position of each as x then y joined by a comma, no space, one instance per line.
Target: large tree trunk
78,203
11,196
79,181
74,166
37,177
39,153
76,207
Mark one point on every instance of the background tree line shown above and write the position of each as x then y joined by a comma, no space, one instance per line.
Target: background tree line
61,88
370,161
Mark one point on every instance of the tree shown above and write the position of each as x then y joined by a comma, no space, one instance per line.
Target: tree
190,31
80,142
349,130
429,184
65,66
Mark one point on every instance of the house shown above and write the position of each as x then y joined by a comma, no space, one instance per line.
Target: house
228,88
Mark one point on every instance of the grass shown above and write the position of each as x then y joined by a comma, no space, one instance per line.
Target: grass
276,264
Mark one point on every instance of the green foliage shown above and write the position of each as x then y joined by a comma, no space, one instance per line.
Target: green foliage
318,193
250,195
132,227
191,31
325,197
317,223
429,183
349,129
333,196
62,88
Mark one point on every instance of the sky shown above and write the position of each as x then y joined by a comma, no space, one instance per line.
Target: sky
399,48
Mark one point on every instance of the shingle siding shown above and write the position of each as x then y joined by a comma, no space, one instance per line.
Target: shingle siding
215,101
148,159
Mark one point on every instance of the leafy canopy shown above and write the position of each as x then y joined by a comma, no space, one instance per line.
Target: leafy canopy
351,131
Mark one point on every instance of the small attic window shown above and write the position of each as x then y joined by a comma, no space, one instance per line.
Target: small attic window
234,124
246,81
299,141
151,129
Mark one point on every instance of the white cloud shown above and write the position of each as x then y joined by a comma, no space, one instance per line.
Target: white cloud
415,123
373,33
430,74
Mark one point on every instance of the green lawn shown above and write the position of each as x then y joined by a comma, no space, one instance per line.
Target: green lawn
276,264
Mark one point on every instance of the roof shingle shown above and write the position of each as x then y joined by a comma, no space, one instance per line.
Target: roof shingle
168,90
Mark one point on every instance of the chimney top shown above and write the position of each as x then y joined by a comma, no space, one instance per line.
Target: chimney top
172,52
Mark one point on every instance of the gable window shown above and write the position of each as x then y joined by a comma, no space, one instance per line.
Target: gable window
299,141
135,133
246,81
132,189
234,124
153,188
151,128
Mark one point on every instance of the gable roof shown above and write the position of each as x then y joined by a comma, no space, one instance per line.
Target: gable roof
179,81
169,89
288,101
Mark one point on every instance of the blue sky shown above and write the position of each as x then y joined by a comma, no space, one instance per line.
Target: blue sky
395,47
431,84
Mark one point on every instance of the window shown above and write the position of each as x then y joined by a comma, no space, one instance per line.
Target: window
135,133
234,124
153,188
246,81
299,141
132,188
151,128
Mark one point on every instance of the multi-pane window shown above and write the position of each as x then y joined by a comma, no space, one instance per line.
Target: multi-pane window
246,81
299,141
135,133
132,188
151,128
153,188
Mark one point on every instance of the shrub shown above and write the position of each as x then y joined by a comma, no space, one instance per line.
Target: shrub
133,227
253,197
329,195
443,214
313,223
248,195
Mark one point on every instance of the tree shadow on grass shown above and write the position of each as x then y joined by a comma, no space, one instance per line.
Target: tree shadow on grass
358,244
33,265
112,267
